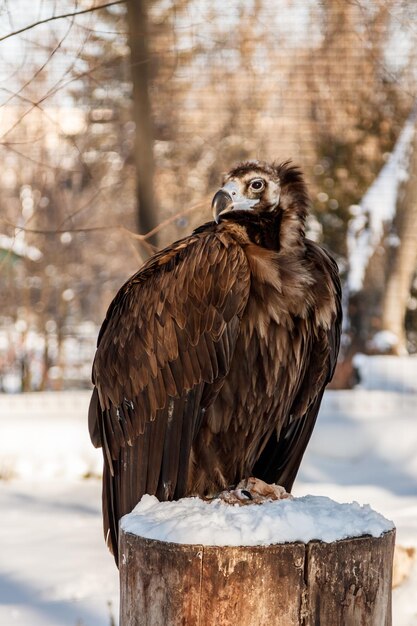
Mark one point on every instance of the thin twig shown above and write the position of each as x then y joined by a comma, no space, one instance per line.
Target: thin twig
169,220
42,67
59,231
60,17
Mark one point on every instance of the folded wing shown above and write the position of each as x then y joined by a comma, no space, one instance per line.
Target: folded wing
163,352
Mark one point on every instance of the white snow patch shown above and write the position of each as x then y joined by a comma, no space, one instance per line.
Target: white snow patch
45,435
195,521
378,207
55,569
387,373
384,341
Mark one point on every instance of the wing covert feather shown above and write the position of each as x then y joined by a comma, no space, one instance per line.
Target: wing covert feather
148,340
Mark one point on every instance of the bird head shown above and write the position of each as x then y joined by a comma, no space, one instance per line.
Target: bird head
261,187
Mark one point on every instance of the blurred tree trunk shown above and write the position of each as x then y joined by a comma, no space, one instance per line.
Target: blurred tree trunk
25,374
45,363
404,259
142,115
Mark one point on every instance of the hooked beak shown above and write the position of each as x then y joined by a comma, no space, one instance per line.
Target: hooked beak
221,202
228,198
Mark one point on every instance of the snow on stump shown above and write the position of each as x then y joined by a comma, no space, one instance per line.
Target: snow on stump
293,562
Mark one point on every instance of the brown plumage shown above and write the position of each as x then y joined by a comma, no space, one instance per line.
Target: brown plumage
213,358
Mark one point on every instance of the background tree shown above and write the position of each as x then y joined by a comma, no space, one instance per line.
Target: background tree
320,84
137,22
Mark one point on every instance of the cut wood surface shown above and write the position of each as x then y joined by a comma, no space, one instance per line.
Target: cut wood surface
344,583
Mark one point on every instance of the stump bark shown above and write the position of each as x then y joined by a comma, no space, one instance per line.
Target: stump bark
345,583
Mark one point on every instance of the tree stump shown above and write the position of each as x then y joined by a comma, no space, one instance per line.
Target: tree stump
344,583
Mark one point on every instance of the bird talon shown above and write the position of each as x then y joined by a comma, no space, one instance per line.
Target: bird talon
253,491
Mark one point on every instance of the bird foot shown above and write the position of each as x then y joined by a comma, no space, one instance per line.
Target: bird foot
253,491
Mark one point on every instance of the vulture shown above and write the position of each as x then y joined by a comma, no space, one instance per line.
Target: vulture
212,359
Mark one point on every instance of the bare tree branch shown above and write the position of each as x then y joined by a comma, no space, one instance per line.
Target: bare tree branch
169,220
42,67
55,168
60,17
87,229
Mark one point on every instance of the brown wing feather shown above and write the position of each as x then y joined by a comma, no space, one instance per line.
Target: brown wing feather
281,458
163,351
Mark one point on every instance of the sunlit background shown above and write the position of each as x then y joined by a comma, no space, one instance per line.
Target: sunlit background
112,127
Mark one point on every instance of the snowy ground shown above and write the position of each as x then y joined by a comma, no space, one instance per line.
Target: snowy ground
364,449
54,567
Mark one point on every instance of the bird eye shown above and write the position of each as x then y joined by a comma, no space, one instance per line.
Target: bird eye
257,185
